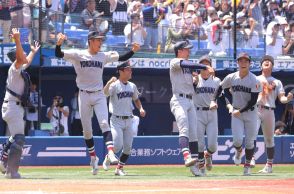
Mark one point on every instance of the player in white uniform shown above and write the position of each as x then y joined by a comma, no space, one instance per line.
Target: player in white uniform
89,65
206,110
245,89
181,103
122,93
271,89
16,96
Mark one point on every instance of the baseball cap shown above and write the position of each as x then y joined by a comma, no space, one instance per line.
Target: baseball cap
182,44
123,65
240,15
243,55
95,34
290,4
281,20
267,58
190,7
205,58
12,54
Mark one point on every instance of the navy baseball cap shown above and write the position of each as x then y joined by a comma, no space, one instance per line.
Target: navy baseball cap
95,34
267,58
182,44
243,55
205,58
123,65
12,54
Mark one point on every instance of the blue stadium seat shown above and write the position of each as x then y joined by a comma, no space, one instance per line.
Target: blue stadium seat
114,40
203,44
58,26
227,131
24,35
261,44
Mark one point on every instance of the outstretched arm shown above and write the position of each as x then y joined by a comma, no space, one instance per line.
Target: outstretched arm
128,55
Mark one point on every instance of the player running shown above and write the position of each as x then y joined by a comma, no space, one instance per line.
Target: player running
122,93
271,89
206,110
245,88
89,65
181,103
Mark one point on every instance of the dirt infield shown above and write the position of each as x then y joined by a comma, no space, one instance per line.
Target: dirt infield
160,187
106,182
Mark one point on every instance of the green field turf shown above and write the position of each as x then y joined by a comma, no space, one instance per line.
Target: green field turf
141,173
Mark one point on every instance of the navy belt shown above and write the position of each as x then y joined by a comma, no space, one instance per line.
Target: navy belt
90,92
124,117
186,96
17,103
251,109
203,108
266,107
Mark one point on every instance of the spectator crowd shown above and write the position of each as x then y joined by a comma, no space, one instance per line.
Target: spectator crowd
159,24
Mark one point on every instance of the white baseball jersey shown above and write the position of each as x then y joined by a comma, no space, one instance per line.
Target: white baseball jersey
181,78
241,88
121,97
13,113
89,68
14,82
271,88
205,90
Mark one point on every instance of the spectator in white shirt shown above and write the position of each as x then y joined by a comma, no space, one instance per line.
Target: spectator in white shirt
134,31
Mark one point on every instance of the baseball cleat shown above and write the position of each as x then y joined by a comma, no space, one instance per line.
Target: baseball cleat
3,167
208,161
190,161
196,171
237,157
106,163
14,175
252,162
120,172
246,171
267,169
112,158
201,167
94,163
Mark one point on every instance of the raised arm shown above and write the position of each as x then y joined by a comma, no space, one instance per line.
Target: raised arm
60,39
19,53
106,87
129,54
34,50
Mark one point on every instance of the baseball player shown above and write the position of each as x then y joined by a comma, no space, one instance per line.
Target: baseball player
122,92
16,97
271,89
245,89
181,103
206,110
89,65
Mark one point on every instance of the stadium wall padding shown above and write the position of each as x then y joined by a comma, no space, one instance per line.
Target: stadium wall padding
67,151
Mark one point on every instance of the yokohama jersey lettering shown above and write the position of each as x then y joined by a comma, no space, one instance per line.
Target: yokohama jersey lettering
239,88
97,64
125,94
